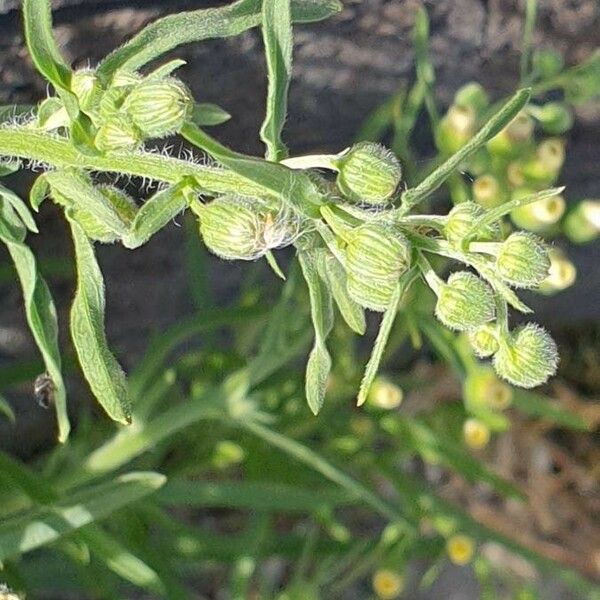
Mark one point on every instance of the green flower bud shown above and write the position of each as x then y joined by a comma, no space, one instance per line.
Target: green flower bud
85,85
514,138
554,117
547,63
376,256
483,390
117,134
472,95
385,394
537,216
368,173
561,275
484,340
544,167
462,218
456,128
582,224
522,260
159,107
528,357
488,192
514,174
465,302
112,99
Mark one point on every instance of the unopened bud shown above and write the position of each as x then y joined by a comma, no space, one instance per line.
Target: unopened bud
461,549
488,192
376,256
522,260
117,134
465,302
385,394
544,167
561,275
538,216
85,85
484,340
554,117
547,63
582,224
476,434
472,95
159,107
368,173
514,138
463,218
483,390
527,358
456,128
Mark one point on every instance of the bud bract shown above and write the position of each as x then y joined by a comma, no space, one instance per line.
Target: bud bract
464,302
159,107
484,340
117,134
461,220
522,260
561,275
368,173
376,256
461,549
476,434
582,224
233,227
488,192
527,358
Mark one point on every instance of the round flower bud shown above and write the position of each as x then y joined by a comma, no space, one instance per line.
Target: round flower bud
462,218
461,549
85,85
376,256
117,134
227,454
514,174
484,340
554,117
538,216
482,389
387,584
561,275
159,107
527,358
465,302
488,192
582,224
544,167
476,434
233,227
523,260
472,95
385,394
456,128
547,63
368,173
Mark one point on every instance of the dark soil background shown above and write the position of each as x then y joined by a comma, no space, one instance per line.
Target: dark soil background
343,69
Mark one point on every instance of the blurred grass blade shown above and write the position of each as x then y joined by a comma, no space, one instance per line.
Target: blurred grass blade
496,123
120,560
6,409
194,26
543,407
34,486
44,525
278,41
39,308
319,360
100,367
385,329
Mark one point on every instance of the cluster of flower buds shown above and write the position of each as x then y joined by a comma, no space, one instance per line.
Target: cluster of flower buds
127,111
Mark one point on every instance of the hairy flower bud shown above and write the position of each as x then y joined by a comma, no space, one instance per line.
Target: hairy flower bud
582,224
117,134
462,218
465,302
484,340
368,173
488,192
376,256
561,275
527,358
522,260
159,107
476,434
85,85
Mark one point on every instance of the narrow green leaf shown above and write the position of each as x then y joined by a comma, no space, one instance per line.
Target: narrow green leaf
272,262
101,369
6,409
39,308
166,69
38,192
44,525
208,115
20,208
278,41
384,333
30,482
197,25
319,360
332,271
120,560
497,122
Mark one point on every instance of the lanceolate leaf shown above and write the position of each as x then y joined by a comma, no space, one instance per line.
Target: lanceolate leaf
39,307
319,360
278,40
208,115
197,25
100,367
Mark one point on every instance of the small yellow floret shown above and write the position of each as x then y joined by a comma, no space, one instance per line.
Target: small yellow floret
461,549
387,584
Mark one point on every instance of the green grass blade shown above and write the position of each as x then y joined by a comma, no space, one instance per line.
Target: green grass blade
44,525
39,308
319,360
547,409
100,367
198,25
278,41
34,486
6,409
